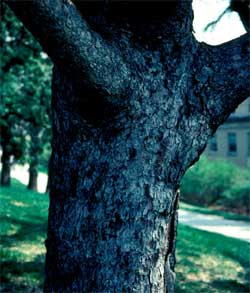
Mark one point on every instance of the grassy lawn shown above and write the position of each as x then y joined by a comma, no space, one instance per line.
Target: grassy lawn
206,262
23,216
209,211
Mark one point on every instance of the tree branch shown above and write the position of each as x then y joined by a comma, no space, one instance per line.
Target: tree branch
222,75
71,43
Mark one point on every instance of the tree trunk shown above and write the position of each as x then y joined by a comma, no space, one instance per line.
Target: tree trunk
35,149
135,99
6,167
47,190
33,174
113,197
49,177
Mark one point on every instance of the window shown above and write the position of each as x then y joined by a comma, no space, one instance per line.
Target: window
213,144
232,144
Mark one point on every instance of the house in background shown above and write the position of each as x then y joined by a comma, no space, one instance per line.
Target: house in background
232,139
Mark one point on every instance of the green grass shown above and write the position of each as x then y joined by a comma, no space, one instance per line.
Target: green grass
23,216
206,262
209,262
209,211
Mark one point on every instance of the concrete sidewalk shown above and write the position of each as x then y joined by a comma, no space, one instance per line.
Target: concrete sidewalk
216,224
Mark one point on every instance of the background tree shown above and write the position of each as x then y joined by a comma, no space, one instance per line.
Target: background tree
37,91
12,142
135,99
25,99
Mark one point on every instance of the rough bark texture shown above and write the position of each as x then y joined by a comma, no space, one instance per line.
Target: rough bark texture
223,73
113,194
33,174
72,44
6,167
122,143
116,169
34,152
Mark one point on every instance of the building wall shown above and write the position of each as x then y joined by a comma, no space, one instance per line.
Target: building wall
242,110
234,134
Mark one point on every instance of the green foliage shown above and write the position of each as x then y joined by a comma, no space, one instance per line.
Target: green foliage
206,262
238,195
44,156
25,93
217,182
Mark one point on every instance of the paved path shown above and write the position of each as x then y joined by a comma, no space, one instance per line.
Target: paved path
217,224
231,228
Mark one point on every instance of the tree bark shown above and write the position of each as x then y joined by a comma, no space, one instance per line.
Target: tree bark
6,167
98,62
219,70
123,137
49,177
33,175
47,190
35,149
112,217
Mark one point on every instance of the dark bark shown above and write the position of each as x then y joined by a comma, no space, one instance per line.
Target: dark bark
93,58
114,179
243,9
6,167
33,174
5,139
35,150
49,176
222,74
47,190
117,162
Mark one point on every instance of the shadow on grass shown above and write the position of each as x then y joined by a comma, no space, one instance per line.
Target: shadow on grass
229,286
18,274
244,261
22,276
27,230
23,231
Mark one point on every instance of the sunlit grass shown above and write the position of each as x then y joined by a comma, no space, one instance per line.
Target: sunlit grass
209,262
206,262
23,230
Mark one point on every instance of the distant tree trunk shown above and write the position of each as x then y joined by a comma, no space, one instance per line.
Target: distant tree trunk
47,190
34,151
6,167
33,175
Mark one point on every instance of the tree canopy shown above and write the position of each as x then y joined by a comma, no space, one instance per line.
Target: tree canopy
25,98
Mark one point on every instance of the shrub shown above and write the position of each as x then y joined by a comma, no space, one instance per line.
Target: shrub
237,197
217,182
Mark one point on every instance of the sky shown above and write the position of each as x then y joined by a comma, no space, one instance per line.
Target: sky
229,27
